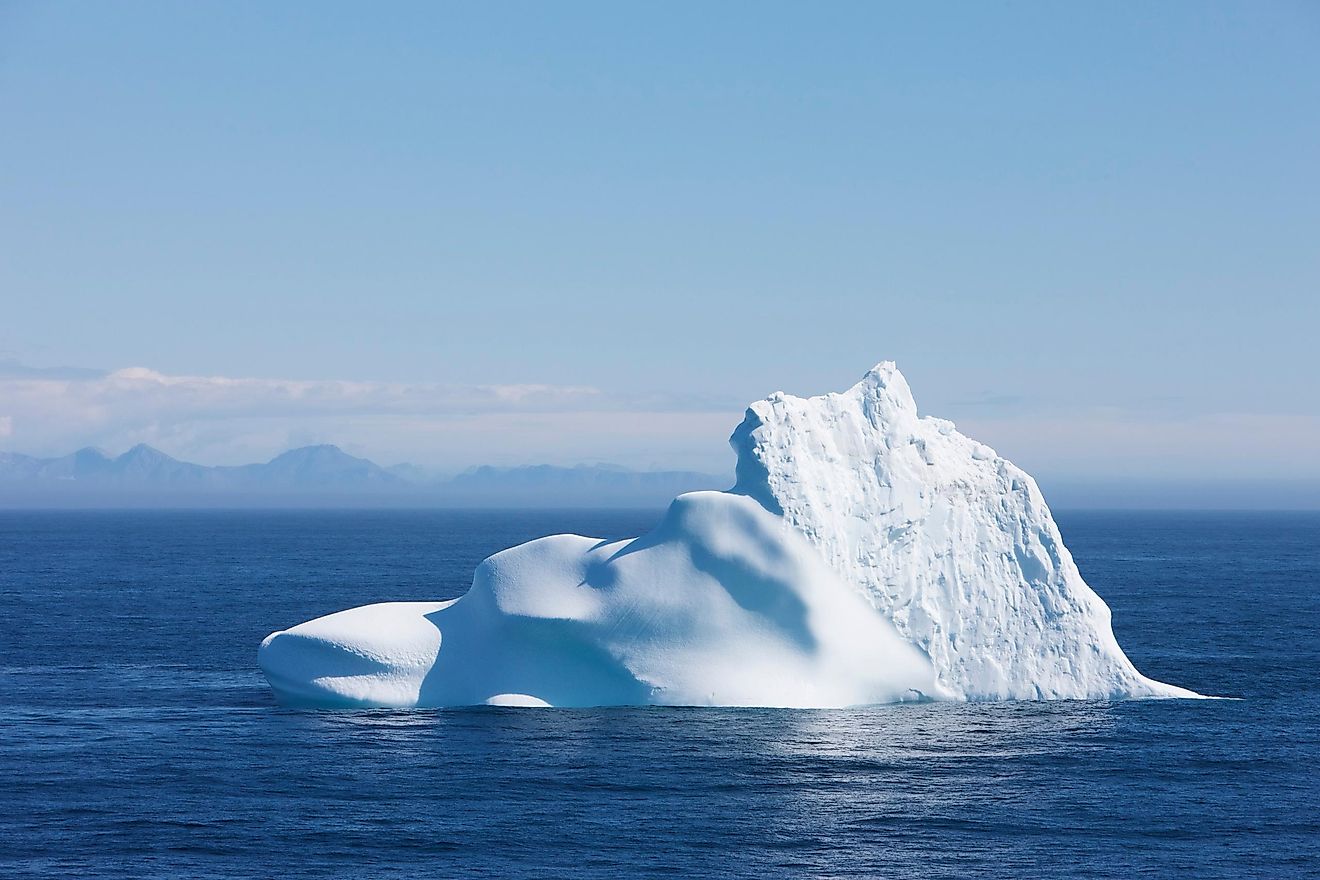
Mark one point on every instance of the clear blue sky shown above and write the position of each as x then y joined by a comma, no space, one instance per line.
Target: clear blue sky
1066,224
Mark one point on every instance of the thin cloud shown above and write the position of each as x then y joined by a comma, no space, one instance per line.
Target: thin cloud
230,420
13,369
1125,444
224,419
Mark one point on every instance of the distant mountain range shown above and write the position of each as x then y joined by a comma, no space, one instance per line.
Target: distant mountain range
322,476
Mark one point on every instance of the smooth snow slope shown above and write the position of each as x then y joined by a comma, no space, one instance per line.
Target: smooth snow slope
865,555
719,605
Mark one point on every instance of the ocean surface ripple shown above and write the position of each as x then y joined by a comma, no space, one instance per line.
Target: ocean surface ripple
138,739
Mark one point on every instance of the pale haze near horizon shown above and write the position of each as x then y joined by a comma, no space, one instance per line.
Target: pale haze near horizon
525,234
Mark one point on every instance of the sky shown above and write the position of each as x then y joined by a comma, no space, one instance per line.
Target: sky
522,232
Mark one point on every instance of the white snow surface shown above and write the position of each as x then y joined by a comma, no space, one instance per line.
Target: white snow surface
953,543
720,605
866,555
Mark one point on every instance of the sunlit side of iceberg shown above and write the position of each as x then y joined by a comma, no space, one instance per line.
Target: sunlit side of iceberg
719,605
866,555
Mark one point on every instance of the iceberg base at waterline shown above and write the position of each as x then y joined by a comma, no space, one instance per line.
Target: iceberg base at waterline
719,605
866,555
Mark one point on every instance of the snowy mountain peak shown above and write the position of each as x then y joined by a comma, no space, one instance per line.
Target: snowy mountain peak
321,451
144,453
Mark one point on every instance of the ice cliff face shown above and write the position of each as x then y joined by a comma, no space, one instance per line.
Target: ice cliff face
953,543
865,555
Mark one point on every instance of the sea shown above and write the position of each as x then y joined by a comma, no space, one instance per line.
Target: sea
138,738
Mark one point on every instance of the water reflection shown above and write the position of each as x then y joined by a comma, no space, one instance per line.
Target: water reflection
995,730
791,788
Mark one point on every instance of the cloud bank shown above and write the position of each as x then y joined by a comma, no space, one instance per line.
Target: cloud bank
227,420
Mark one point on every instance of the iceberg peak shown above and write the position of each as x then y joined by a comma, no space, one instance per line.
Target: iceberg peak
952,543
885,381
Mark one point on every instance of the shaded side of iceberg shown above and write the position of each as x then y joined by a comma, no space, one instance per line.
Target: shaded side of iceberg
866,555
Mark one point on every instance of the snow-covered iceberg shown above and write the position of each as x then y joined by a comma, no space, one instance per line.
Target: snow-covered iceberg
865,555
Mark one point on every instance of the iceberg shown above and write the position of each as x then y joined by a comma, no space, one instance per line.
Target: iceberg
864,555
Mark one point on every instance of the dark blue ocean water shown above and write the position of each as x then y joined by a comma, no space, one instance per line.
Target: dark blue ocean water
137,738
